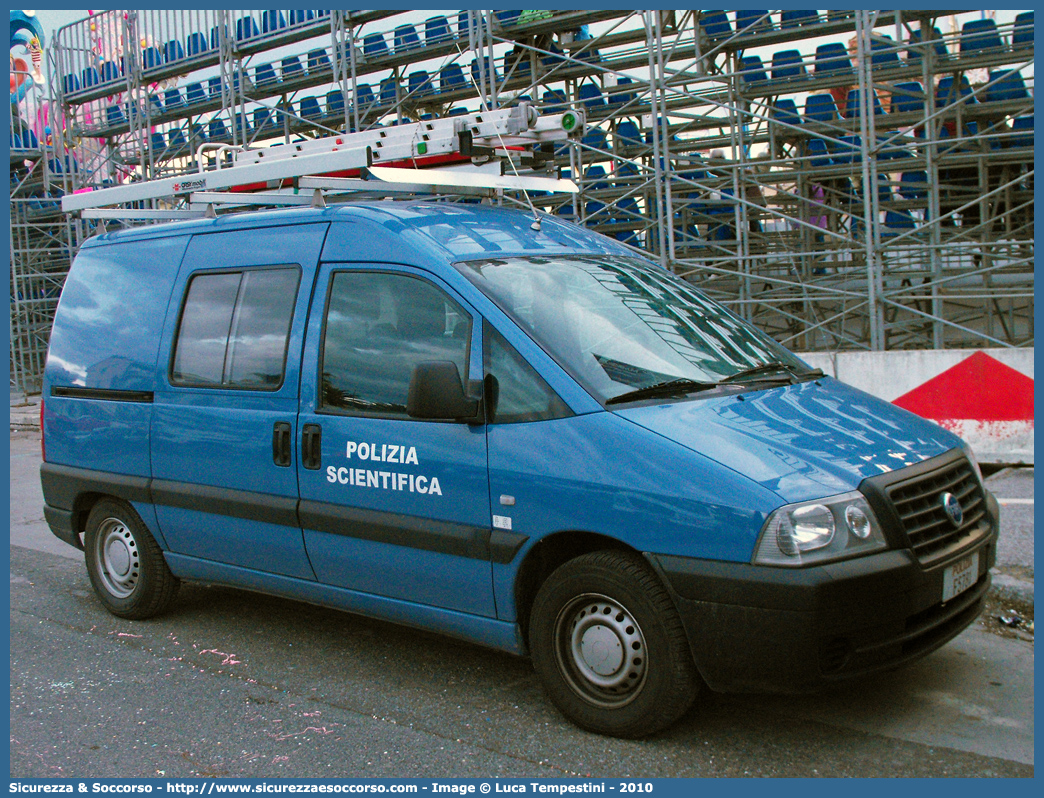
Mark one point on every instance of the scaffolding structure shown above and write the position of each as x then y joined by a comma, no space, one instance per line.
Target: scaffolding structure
842,179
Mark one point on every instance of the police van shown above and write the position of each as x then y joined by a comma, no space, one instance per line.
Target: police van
518,434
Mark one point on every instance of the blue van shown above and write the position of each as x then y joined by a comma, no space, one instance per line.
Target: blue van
520,435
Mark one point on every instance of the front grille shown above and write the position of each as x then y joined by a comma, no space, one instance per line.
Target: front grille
917,501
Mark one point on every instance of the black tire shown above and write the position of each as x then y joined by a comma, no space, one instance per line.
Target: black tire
125,564
609,646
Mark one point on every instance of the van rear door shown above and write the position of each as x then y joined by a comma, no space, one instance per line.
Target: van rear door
392,505
225,409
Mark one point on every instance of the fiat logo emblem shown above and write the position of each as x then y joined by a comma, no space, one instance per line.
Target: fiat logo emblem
952,506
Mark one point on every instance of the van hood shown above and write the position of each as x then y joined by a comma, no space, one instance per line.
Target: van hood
803,441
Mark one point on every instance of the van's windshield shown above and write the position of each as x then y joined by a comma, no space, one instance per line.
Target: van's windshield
626,329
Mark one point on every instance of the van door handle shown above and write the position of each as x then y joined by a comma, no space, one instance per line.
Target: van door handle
311,446
281,443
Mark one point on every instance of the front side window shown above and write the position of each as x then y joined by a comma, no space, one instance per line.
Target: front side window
378,326
234,328
621,326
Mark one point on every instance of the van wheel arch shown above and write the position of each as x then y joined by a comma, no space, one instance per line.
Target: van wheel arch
547,555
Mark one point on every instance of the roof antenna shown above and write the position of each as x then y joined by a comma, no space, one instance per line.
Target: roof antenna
526,108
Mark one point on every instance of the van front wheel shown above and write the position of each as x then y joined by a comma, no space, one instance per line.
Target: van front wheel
125,564
609,646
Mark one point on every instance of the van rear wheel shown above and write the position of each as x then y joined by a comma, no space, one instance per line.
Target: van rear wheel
125,564
609,646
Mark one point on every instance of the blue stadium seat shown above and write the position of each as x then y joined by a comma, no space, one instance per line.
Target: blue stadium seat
159,144
852,104
475,72
172,98
1022,125
215,37
365,99
318,60
459,111
406,39
176,139
301,16
832,57
1023,33
335,102
915,48
980,36
90,77
816,151
389,90
173,51
947,93
194,93
889,150
907,96
309,108
619,97
265,75
451,78
246,28
787,65
436,30
716,24
506,18
752,69
750,21
554,101
595,137
1005,85
151,57
591,96
196,44
374,45
794,17
463,24
420,84
847,150
821,108
263,117
627,135
70,84
217,130
291,68
111,70
883,53
785,111
272,21
913,185
897,221
114,116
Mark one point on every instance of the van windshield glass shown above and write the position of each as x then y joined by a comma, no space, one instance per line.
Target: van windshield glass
624,328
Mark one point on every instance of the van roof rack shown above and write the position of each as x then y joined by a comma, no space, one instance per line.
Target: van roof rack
480,154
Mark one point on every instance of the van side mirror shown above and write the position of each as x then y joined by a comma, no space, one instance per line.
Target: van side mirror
436,392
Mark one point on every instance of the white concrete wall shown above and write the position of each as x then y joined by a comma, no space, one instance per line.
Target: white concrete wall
890,375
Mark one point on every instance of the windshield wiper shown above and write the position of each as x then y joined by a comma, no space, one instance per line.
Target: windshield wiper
773,366
676,387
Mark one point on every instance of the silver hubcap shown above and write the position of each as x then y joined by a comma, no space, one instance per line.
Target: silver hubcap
601,650
119,565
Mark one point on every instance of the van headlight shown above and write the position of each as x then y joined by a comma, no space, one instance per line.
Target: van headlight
806,533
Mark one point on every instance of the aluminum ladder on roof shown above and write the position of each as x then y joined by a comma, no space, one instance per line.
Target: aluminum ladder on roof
482,145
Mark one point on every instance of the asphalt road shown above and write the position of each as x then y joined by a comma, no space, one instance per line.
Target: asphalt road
233,684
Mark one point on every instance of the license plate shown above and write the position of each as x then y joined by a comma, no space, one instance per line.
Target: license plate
960,576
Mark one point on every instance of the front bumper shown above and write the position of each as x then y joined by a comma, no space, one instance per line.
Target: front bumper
757,629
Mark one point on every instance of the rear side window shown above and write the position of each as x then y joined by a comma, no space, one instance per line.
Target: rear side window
234,328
